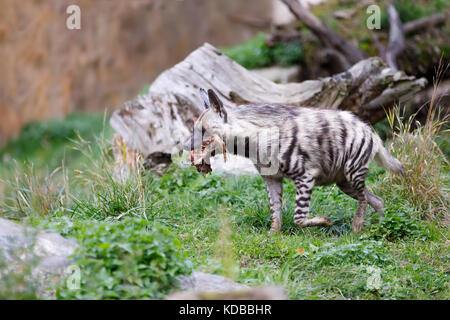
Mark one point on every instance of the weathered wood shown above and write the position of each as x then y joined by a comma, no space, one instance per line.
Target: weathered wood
161,120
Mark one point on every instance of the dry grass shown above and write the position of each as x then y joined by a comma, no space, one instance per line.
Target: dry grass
427,177
31,193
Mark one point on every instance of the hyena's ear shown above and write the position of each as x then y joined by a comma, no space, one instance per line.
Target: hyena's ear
205,98
217,105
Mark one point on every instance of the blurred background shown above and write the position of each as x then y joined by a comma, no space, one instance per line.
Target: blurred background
48,71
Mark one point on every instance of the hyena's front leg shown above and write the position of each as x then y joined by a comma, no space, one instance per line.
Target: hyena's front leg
274,190
304,186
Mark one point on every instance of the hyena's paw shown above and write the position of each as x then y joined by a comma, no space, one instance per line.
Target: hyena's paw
318,221
323,221
358,223
275,229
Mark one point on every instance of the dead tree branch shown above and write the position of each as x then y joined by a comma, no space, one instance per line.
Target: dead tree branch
330,39
396,37
424,23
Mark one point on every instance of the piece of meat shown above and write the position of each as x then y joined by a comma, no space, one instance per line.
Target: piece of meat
203,167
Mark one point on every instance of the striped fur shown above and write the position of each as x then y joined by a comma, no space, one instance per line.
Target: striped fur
316,147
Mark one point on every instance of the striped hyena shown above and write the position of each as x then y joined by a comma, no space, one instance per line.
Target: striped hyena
308,145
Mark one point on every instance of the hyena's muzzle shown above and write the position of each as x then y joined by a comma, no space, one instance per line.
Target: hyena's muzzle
201,149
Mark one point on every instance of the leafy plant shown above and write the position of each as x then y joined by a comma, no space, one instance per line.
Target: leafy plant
179,179
396,226
255,53
286,54
128,259
365,252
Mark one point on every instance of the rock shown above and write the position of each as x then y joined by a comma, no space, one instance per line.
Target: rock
257,293
204,286
200,281
20,245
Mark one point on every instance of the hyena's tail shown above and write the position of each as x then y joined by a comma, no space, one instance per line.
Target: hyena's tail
386,160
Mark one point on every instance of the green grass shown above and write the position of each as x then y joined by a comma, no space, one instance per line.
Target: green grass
46,143
255,53
334,262
220,225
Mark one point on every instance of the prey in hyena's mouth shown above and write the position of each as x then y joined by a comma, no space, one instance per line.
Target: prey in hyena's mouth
205,152
311,147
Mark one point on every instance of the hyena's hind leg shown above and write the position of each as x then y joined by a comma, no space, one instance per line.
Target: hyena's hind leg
356,186
375,202
275,190
304,186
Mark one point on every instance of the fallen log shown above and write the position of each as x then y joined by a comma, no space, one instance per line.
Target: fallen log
160,121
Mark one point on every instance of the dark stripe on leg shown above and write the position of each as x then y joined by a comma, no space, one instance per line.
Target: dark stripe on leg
288,154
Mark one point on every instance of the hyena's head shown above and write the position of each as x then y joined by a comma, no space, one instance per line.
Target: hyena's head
208,131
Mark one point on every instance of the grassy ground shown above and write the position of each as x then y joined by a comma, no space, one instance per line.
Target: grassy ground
221,225
311,263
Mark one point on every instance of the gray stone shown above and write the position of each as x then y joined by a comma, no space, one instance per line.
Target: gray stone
204,286
20,245
200,281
